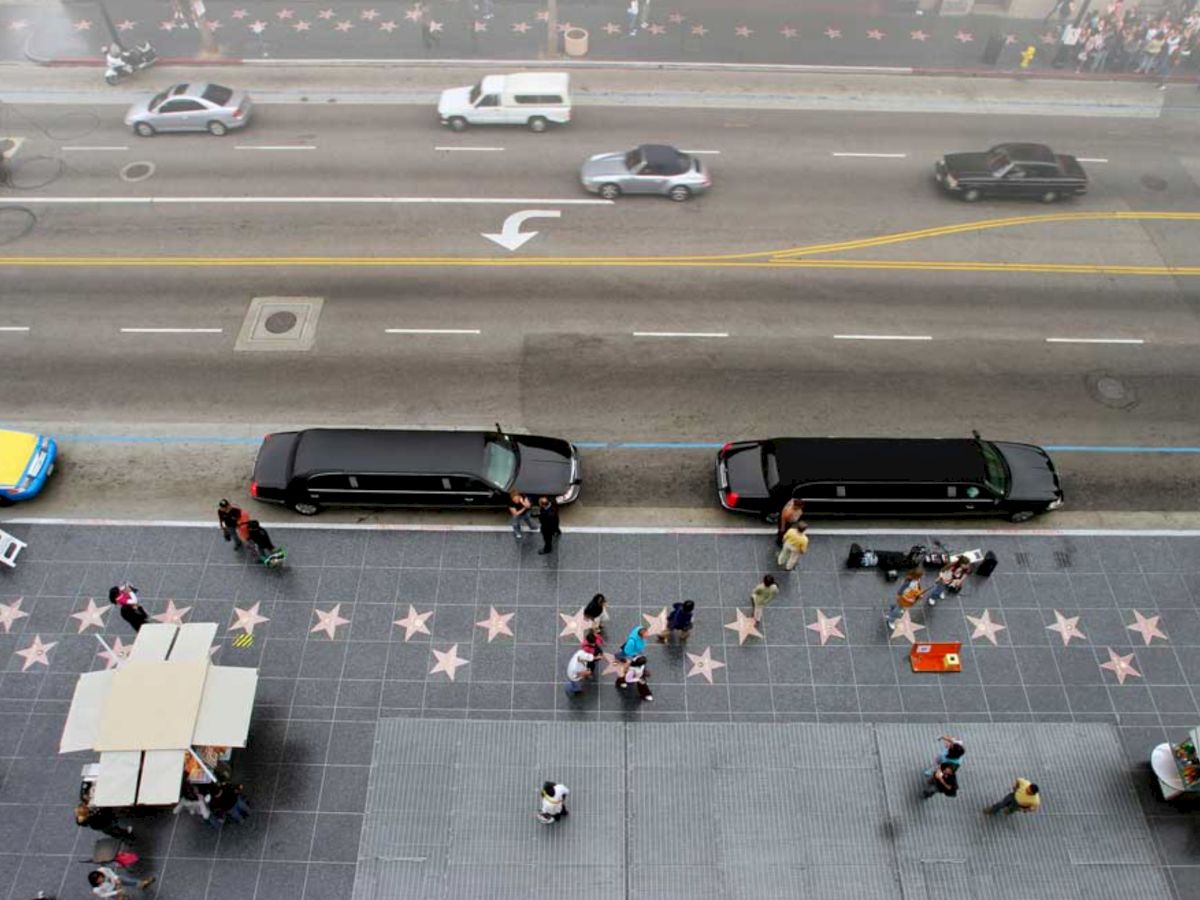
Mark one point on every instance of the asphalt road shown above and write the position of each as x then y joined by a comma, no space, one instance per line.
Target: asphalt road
556,347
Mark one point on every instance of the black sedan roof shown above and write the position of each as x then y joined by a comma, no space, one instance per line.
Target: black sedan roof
383,450
936,460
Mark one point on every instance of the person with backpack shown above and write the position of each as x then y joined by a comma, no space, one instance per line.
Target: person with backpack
679,620
906,597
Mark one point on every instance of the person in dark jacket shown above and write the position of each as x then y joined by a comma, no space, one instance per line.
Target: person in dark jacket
944,780
258,537
225,802
679,620
229,517
125,596
102,819
548,522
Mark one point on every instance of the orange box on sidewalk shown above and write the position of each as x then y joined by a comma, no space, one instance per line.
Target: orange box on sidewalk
942,657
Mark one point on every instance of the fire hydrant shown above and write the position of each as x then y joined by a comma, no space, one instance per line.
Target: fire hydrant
1027,56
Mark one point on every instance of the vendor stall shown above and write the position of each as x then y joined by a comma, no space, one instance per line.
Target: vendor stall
1177,766
165,712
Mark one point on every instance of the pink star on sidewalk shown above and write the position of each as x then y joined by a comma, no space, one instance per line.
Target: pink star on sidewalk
522,27
833,33
1121,666
388,26
18,25
116,654
788,32
328,622
37,652
826,627
448,662
91,617
675,18
543,15
1066,627
480,26
919,35
325,14
436,26
126,25
573,625
284,14
343,26
414,622
656,624
743,31
496,623
258,26
704,665
213,24
964,37
699,30
83,25
1010,39
906,628
369,15
173,615
414,14
656,29
745,626
1147,627
166,26
10,612
239,14
246,619
301,25
876,35
985,627
611,665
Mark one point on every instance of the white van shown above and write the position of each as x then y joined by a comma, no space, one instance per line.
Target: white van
536,99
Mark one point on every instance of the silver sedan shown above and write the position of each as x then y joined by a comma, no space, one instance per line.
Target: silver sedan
648,169
191,107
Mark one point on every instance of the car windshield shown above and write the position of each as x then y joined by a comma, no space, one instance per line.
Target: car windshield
157,101
997,477
215,93
476,91
500,462
998,160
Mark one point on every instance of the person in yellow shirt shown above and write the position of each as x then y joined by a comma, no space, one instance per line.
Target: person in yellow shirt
795,545
1024,796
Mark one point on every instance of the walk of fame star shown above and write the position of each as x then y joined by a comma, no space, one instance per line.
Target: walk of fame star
436,26
919,35
91,617
1147,627
543,15
414,622
116,654
826,627
414,14
906,628
285,14
213,24
343,26
448,662
480,26
964,37
656,29
239,13
656,624
18,25
1067,627
743,31
369,15
573,625
788,32
10,612
328,621
83,25
985,627
173,615
876,35
246,619
496,623
704,665
1010,39
1121,666
126,25
675,18
325,14
611,665
301,25
37,652
388,26
699,30
258,27
745,626
833,33
166,26
522,27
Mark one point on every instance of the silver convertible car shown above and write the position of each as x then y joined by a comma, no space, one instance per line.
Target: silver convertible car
191,107
648,169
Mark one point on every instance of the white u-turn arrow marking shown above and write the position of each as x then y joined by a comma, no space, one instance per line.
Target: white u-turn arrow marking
511,237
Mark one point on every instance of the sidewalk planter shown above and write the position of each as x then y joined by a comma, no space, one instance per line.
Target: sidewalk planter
575,41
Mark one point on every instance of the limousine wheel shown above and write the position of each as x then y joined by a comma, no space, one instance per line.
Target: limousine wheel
537,124
1023,516
972,195
458,123
1049,196
306,509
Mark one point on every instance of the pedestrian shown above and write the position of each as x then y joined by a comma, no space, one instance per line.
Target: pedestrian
225,801
950,577
764,592
795,545
790,515
635,644
645,12
951,753
190,800
679,620
548,522
1067,44
596,613
579,669
944,780
1061,8
520,511
554,802
107,883
257,538
909,593
635,674
1024,796
1162,65
632,12
229,517
429,37
592,643
125,596
102,819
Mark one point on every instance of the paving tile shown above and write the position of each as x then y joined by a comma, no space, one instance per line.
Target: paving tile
281,880
289,835
996,665
299,787
836,698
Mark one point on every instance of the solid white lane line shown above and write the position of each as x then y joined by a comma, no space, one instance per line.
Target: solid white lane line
471,149
14,328
874,155
1095,159
94,148
151,201
432,331
274,147
171,330
682,334
883,337
1094,341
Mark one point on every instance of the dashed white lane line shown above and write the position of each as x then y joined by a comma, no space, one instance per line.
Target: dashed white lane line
432,331
471,149
883,337
1094,341
874,155
14,329
274,147
348,201
94,149
171,330
682,334
702,152
1095,159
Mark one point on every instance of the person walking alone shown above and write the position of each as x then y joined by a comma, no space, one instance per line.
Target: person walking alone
109,884
548,523
1024,796
790,515
125,596
229,517
520,511
764,592
795,545
679,621
553,802
632,11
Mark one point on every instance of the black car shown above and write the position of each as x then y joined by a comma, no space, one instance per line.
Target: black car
1012,170
888,477
319,467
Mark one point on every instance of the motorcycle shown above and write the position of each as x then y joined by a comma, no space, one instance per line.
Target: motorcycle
120,62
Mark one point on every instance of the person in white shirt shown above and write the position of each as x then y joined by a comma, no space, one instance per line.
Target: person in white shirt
554,802
578,671
107,883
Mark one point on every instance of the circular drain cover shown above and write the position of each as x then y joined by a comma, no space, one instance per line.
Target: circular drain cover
15,223
280,322
1154,183
1111,391
137,171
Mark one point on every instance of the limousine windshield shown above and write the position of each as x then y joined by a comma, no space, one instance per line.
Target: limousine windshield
997,478
500,462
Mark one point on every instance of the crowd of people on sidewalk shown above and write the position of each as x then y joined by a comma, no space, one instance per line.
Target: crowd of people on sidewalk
1123,38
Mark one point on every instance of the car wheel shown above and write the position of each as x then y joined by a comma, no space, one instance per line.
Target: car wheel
5,501
217,129
143,129
1049,196
537,124
972,195
679,194
609,191
306,509
771,518
112,78
1023,515
458,123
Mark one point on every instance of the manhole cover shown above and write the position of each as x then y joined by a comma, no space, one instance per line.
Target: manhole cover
280,322
1110,388
1111,391
1154,183
15,223
137,171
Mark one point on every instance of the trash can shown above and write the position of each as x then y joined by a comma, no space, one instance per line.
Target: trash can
575,41
992,49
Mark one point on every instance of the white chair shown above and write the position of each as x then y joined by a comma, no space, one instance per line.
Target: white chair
10,549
